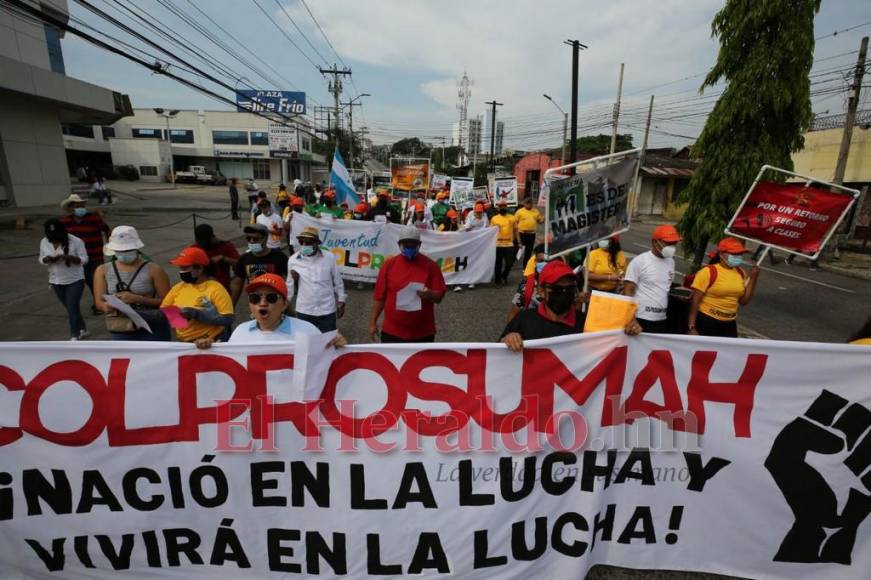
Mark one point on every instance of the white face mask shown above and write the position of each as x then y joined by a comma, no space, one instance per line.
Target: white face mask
668,251
604,244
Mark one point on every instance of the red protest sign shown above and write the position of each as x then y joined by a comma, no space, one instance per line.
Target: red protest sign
791,216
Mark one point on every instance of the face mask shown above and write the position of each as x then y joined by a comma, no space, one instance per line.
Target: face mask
127,257
187,277
80,212
503,211
734,261
358,216
560,302
308,250
410,252
539,267
668,251
255,248
604,244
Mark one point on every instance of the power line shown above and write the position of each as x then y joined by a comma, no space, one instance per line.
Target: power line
281,30
324,34
301,33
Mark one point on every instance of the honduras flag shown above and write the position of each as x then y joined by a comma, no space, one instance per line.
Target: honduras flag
341,180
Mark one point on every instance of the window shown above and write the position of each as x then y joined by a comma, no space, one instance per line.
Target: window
261,168
230,137
148,170
181,135
74,130
306,144
259,138
55,54
139,133
107,132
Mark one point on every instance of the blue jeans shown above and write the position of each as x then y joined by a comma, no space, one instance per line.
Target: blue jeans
70,295
325,323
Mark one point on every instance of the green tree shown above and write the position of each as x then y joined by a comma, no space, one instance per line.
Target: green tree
766,53
410,146
601,144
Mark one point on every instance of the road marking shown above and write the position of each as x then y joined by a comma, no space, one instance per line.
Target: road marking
788,275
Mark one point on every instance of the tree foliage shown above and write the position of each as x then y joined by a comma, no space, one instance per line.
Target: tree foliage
601,144
410,146
766,53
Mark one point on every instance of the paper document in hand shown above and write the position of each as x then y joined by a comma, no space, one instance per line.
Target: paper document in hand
126,310
311,363
609,311
173,315
407,298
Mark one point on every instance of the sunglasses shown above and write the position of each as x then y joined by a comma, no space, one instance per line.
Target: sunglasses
563,289
271,298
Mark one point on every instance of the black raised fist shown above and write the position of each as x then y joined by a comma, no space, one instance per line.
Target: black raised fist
820,534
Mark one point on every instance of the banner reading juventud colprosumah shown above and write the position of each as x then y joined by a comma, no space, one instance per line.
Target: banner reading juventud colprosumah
740,457
361,247
588,206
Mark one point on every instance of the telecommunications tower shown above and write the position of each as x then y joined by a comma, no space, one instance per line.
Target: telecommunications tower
464,92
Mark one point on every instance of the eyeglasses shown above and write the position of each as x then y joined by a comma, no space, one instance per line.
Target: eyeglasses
271,298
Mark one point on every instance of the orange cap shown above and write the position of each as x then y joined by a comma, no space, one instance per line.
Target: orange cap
273,281
419,206
191,256
441,195
360,208
329,193
297,201
666,233
479,206
452,213
731,246
553,272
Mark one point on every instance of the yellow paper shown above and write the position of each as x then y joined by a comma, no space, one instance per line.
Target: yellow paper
609,311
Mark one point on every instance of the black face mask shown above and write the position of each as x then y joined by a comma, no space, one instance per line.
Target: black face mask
297,209
187,277
559,301
503,211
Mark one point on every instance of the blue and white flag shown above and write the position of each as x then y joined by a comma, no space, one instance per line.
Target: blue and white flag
341,180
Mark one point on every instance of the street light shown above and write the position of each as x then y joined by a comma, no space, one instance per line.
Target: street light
565,124
351,122
169,115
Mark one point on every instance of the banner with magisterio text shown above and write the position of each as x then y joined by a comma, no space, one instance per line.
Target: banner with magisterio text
361,247
740,457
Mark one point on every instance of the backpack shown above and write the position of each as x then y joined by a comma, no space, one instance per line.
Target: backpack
712,276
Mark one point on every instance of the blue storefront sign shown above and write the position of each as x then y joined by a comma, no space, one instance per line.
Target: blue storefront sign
284,102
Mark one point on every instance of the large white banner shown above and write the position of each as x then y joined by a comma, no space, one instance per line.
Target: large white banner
739,457
361,247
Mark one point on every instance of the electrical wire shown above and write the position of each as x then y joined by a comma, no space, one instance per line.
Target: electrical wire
281,30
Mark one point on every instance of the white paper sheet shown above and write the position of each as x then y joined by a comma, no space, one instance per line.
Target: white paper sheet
127,311
312,360
407,298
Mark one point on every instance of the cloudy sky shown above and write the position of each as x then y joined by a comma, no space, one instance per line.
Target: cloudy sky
409,55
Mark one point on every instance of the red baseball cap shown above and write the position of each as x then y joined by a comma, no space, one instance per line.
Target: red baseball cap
297,201
731,246
273,281
554,272
191,256
452,213
666,233
329,193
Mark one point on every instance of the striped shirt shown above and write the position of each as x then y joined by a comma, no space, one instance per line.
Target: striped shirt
90,230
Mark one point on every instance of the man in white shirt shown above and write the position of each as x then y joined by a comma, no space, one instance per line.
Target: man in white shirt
477,219
649,277
273,222
313,279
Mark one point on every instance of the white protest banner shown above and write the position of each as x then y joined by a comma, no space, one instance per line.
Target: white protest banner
481,194
729,456
505,188
362,246
439,181
462,194
590,205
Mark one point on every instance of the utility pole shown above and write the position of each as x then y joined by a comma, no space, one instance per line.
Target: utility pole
573,146
617,111
475,151
850,121
493,104
335,87
351,104
636,183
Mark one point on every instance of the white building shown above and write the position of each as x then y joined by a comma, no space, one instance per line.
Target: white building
36,99
236,144
497,138
467,133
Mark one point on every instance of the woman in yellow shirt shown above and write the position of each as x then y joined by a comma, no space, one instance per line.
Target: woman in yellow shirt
718,290
204,302
607,265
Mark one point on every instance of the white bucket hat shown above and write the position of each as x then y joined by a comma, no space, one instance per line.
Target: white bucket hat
73,198
124,239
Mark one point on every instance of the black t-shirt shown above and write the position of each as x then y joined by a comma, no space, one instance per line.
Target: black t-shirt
250,266
531,325
390,211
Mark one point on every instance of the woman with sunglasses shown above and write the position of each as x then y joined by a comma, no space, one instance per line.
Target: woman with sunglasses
267,299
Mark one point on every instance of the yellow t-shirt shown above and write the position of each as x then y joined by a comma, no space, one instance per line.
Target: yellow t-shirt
600,263
527,220
529,270
863,341
720,301
194,296
506,224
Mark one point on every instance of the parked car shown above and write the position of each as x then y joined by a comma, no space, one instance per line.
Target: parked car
212,177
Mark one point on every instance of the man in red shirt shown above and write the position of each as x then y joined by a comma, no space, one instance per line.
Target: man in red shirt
92,230
407,288
222,254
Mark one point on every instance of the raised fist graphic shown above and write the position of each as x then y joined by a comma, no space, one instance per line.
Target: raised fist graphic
831,425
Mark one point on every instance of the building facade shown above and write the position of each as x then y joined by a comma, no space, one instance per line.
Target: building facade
468,134
37,99
237,144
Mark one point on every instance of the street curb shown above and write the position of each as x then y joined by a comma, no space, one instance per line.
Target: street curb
859,274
